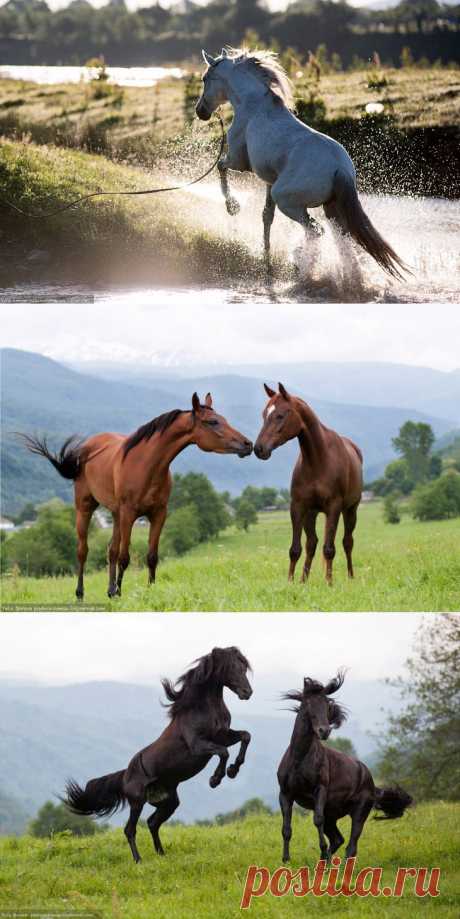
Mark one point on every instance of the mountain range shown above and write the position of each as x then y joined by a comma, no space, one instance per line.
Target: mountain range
41,395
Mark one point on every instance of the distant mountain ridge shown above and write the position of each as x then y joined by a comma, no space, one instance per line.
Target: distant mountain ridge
44,396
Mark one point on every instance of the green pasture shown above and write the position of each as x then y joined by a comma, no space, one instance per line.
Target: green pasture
411,566
204,870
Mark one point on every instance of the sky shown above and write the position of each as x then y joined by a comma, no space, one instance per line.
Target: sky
139,648
167,329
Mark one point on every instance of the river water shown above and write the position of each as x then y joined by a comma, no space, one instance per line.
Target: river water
122,76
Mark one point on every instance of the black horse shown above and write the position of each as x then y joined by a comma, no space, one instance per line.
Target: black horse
327,781
199,729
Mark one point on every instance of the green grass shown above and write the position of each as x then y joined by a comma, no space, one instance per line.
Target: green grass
411,566
204,871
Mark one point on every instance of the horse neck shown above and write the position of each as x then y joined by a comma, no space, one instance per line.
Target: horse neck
246,94
303,739
165,446
311,436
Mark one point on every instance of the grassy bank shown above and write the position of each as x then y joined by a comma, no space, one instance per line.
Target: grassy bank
204,871
409,566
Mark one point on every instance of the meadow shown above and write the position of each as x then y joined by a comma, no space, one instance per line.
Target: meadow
410,566
204,870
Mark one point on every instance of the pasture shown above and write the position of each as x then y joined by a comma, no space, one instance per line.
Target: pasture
410,566
205,868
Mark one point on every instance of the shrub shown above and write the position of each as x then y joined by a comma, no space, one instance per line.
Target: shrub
439,500
181,532
245,514
390,510
56,818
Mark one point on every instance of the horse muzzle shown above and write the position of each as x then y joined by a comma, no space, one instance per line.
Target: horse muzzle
202,111
262,452
244,694
245,449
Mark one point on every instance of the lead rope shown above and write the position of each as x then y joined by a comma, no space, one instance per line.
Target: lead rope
96,194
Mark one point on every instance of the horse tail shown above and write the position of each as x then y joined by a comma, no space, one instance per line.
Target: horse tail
102,797
354,218
66,461
393,801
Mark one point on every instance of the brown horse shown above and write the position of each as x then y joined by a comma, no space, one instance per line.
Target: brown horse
327,477
328,782
130,476
199,729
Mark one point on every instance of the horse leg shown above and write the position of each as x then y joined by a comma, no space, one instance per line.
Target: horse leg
156,525
332,520
349,522
163,812
114,549
268,217
85,507
318,819
231,203
333,834
286,810
296,546
358,819
130,828
290,205
127,519
229,738
312,542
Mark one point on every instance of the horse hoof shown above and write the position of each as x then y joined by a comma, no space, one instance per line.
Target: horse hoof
111,593
232,771
232,206
214,781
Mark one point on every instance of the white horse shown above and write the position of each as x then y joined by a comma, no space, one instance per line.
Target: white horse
301,167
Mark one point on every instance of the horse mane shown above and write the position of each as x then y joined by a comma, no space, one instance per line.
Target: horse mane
146,431
312,687
184,692
266,67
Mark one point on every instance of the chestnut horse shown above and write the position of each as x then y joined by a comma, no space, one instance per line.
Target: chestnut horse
130,476
328,782
327,477
199,729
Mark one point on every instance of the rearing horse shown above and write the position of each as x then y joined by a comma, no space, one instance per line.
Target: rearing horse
130,476
199,729
301,167
327,476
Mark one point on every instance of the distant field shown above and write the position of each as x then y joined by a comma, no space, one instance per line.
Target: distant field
205,868
410,566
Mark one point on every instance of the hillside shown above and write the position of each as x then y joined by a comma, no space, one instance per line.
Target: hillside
89,729
41,395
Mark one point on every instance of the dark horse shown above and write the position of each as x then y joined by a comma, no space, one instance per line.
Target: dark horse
327,477
130,476
199,729
326,781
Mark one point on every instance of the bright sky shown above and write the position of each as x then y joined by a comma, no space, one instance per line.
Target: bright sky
136,647
170,328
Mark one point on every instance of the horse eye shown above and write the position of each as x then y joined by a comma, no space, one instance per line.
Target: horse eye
212,422
279,416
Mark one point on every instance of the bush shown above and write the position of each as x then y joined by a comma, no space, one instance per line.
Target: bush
439,500
245,514
390,510
181,531
46,549
53,818
195,489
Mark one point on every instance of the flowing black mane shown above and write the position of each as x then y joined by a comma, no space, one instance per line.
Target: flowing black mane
314,687
146,431
210,669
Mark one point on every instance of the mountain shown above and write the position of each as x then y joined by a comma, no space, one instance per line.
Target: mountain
49,733
41,395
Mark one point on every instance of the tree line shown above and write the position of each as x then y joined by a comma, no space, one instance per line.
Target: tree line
32,33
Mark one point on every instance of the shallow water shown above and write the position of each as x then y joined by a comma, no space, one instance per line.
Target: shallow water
122,76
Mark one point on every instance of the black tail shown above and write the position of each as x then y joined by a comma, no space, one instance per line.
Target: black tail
101,797
362,230
66,461
392,801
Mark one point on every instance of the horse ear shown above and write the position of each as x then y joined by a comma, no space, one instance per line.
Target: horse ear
196,403
283,392
270,392
335,684
208,58
208,400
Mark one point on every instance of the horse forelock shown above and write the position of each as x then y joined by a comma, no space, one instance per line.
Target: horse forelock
267,68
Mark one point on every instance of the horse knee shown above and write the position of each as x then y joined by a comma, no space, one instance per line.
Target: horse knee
329,552
152,559
295,552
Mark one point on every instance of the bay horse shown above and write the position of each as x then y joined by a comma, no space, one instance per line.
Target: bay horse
130,476
327,477
199,729
328,782
301,167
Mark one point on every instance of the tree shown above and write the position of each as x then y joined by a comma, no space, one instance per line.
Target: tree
414,443
344,744
245,514
181,531
56,818
47,548
259,497
438,500
195,489
421,748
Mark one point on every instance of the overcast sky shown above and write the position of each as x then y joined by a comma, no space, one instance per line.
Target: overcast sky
172,328
136,647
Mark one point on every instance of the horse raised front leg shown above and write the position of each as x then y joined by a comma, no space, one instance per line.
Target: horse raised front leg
231,203
232,737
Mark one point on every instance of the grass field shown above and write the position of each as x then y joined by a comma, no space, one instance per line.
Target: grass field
406,567
205,868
